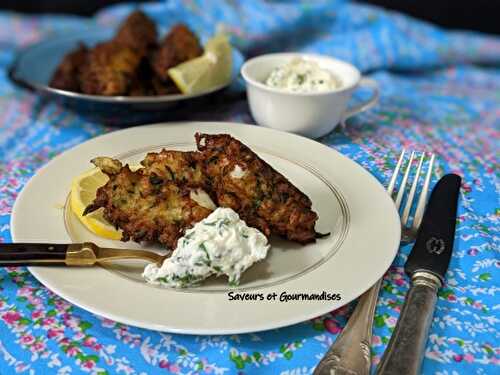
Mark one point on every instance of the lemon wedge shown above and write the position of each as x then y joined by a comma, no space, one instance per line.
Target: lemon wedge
212,69
83,192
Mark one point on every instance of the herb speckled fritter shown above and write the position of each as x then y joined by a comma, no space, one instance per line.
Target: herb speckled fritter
147,206
66,76
173,190
131,63
109,70
141,84
262,197
164,87
138,32
185,168
179,45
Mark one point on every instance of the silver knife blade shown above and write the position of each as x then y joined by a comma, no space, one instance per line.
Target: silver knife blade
434,243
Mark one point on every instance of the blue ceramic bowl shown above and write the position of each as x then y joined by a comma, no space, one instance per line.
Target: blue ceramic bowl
34,66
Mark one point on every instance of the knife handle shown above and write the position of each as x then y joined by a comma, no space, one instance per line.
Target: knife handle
32,254
405,351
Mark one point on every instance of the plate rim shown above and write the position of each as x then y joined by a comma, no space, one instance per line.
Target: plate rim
296,318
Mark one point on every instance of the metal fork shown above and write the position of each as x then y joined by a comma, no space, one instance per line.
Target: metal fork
350,353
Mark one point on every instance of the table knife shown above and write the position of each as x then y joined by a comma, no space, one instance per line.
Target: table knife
76,254
426,266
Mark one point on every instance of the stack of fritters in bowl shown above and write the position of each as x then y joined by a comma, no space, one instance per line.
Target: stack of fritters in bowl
132,63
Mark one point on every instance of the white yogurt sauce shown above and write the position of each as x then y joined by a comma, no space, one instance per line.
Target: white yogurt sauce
303,76
221,244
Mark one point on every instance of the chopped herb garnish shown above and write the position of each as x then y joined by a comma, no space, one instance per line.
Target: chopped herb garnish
204,249
213,159
186,280
172,174
155,180
217,269
256,203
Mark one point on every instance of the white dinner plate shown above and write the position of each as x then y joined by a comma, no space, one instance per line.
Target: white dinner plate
351,205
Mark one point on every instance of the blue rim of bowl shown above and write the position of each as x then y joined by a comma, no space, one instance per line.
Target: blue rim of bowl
254,82
42,88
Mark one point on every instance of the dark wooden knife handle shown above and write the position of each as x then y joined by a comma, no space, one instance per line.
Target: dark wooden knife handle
31,254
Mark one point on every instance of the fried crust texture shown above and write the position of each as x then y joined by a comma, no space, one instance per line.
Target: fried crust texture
146,206
263,197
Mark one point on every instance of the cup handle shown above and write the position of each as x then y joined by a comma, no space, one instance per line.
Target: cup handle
370,84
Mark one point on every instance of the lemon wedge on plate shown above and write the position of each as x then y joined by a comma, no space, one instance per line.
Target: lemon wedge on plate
83,192
212,69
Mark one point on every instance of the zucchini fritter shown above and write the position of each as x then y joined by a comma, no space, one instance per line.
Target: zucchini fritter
138,32
173,190
179,45
164,87
147,206
109,70
263,197
131,63
184,168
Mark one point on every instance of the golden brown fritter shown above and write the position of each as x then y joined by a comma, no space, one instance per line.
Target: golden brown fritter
66,76
110,69
164,87
145,205
184,168
138,32
263,197
179,45
131,63
141,84
173,190
113,67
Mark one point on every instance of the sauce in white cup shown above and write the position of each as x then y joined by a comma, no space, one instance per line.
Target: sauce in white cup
312,114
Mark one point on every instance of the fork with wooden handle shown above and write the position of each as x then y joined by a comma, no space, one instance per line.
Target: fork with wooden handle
350,353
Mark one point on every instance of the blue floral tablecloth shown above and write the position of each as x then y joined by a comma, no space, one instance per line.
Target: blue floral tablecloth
440,93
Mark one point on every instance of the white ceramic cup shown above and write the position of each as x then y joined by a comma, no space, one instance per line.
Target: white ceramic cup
310,114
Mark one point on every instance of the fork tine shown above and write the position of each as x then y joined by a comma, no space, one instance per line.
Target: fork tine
409,201
394,177
419,213
402,188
